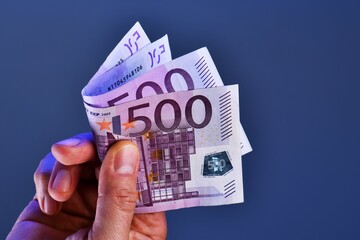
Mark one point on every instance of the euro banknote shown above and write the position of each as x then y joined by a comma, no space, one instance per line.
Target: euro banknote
191,71
147,58
194,70
134,40
189,143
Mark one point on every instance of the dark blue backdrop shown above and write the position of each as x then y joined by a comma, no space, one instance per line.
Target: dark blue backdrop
297,63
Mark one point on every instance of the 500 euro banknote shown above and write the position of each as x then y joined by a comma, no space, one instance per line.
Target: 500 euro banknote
138,64
189,143
195,70
134,40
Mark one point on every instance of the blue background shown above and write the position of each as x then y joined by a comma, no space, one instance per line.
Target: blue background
297,63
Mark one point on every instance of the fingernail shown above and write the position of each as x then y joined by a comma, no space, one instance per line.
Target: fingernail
62,181
126,159
71,142
50,206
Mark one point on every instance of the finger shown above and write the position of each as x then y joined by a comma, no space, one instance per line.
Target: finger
97,173
75,159
80,234
75,150
150,224
63,181
117,192
137,235
41,178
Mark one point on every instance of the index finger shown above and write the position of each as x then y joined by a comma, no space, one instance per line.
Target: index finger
75,150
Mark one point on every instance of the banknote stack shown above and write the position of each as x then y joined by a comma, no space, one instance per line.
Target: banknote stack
185,122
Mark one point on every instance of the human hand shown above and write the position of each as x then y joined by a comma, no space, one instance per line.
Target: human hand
77,199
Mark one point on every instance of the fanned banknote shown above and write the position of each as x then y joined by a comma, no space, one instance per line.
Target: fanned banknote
185,123
189,144
134,40
144,60
192,71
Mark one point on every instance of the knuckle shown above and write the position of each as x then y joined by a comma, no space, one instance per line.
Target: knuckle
45,168
124,199
41,177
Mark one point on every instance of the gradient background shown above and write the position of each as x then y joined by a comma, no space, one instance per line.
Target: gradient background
297,63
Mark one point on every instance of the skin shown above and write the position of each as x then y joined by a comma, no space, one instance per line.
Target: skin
86,201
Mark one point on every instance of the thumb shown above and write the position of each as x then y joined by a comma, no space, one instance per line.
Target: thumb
117,192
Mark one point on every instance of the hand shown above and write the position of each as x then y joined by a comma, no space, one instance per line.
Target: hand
77,199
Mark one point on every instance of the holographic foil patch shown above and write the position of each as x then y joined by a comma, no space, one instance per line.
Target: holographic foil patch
216,164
